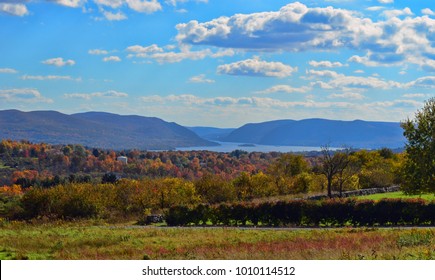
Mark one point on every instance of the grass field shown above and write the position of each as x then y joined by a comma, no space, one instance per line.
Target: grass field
94,240
379,196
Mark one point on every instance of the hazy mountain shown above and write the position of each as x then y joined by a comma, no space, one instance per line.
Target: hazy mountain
319,132
211,133
96,129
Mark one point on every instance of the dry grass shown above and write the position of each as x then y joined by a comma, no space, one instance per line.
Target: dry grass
85,240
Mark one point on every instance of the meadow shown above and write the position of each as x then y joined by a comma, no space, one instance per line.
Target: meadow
97,240
396,195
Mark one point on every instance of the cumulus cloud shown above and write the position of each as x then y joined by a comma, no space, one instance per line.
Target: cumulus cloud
347,95
428,12
296,27
201,79
241,103
323,73
167,55
396,13
416,95
49,78
375,8
336,80
69,3
284,89
325,64
173,57
14,9
154,52
27,95
110,3
257,67
59,62
8,71
144,6
110,16
175,2
112,58
141,51
424,82
386,1
98,52
89,96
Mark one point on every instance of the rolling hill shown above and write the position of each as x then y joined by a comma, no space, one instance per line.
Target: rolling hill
95,129
320,132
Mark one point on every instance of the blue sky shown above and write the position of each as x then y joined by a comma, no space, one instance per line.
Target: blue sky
219,62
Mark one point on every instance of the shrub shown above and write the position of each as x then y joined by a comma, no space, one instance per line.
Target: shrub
178,216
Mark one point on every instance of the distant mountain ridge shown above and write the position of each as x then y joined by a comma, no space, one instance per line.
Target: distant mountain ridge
96,129
211,133
112,131
320,132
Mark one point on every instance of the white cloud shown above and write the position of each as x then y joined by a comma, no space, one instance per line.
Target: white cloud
98,52
154,52
428,12
144,6
118,16
14,9
325,64
174,57
424,82
396,13
375,8
416,95
285,89
59,62
342,82
141,51
201,79
27,95
266,102
296,27
8,71
175,2
323,73
89,96
69,3
112,58
49,78
347,95
110,3
257,67
386,1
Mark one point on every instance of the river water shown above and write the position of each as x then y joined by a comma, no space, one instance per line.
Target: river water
226,147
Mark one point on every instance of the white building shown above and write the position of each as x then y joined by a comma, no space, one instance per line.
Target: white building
122,159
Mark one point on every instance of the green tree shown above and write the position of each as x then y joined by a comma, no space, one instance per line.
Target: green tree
285,169
418,173
334,166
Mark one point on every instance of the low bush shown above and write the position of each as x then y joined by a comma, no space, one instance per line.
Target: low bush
333,212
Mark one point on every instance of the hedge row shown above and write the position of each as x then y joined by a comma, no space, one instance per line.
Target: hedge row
334,212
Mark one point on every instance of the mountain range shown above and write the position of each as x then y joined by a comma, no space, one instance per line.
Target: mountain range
320,132
96,129
112,131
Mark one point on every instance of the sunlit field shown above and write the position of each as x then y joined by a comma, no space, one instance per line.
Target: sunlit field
96,240
379,196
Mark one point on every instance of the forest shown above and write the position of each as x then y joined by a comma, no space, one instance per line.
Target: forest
73,181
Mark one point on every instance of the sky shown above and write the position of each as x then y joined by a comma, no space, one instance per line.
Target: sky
219,63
